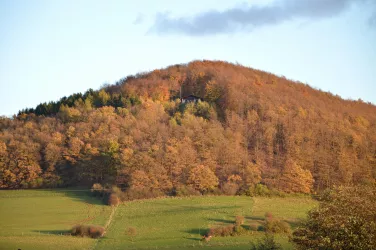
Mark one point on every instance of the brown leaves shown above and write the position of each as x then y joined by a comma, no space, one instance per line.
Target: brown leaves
239,130
295,179
202,178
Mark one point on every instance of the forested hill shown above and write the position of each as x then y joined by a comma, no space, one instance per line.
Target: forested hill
251,131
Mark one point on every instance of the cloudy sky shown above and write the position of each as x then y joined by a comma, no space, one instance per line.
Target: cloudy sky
49,49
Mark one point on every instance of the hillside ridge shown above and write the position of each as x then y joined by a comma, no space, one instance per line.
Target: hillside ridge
252,132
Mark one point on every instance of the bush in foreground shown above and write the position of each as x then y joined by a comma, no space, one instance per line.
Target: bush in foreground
273,225
345,219
266,243
92,231
222,231
229,230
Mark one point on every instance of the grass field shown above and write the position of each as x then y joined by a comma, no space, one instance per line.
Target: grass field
36,220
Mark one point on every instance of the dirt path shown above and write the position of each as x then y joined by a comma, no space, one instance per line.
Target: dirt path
110,218
106,225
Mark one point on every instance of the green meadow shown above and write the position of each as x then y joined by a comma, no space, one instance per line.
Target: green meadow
38,219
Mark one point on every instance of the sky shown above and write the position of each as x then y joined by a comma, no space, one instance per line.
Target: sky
54,48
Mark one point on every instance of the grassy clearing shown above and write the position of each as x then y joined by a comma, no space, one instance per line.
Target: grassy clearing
179,222
291,209
37,218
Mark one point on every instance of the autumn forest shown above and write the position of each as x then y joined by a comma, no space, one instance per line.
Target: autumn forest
252,132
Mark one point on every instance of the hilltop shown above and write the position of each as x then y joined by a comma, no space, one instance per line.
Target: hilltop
252,132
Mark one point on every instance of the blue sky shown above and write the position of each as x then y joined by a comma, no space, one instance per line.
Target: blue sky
53,48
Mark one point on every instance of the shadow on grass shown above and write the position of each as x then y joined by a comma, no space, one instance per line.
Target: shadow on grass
198,231
198,208
64,233
187,209
293,223
53,232
223,221
256,218
195,239
77,194
248,228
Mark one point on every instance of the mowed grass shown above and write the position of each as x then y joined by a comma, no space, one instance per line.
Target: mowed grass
36,219
178,223
292,209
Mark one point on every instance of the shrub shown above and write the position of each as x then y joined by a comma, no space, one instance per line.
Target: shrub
345,219
259,190
92,231
268,215
239,220
131,232
141,193
96,231
227,230
213,231
113,200
116,190
239,230
185,191
230,230
277,226
222,231
229,188
266,243
79,230
263,190
254,226
38,182
97,189
215,191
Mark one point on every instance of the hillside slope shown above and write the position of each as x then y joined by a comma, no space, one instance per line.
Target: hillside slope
251,128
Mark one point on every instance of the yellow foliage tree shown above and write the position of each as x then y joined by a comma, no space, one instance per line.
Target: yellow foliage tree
295,179
202,178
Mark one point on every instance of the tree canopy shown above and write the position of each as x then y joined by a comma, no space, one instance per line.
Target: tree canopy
251,128
345,219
